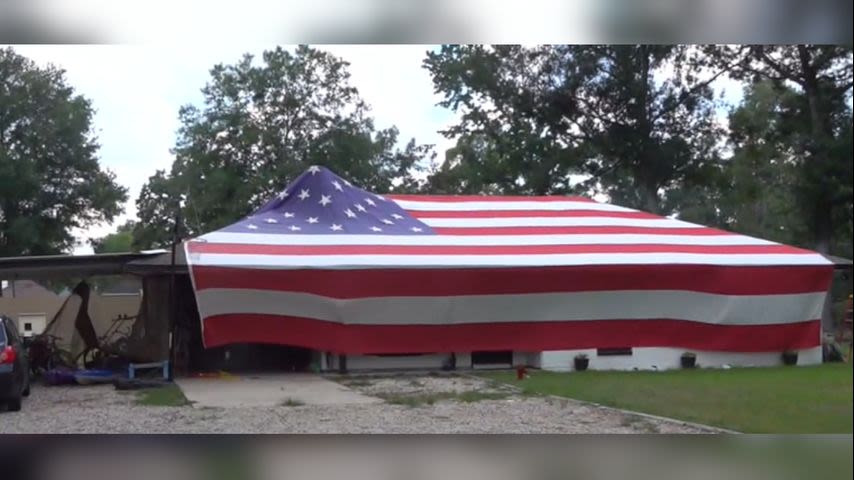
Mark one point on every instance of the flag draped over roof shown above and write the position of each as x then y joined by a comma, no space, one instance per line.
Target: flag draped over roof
329,266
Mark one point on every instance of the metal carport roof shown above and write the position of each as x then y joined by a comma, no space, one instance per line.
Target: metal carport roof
45,266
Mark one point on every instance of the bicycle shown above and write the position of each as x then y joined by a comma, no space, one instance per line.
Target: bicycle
45,354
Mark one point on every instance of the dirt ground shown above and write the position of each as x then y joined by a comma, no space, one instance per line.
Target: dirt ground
411,404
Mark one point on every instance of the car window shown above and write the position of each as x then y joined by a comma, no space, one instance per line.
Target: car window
2,331
12,332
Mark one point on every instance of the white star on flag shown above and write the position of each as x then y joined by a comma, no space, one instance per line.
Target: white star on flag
377,229
314,169
312,220
387,221
303,194
350,213
335,227
416,229
359,207
294,228
337,185
283,195
396,216
271,220
370,202
289,214
252,227
325,200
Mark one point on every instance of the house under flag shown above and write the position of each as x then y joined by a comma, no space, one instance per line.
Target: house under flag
371,281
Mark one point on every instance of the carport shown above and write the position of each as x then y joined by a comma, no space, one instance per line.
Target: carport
168,311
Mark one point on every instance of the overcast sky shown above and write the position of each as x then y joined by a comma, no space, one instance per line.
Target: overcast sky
137,90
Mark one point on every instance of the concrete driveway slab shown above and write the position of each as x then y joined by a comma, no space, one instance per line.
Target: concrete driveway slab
269,390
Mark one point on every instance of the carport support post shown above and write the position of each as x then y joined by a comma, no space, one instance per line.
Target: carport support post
173,304
342,363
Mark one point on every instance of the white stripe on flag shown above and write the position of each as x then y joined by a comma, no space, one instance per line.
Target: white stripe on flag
475,261
559,239
541,307
557,222
427,206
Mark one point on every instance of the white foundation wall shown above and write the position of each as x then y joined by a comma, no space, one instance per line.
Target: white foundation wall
643,358
395,362
661,358
331,362
528,359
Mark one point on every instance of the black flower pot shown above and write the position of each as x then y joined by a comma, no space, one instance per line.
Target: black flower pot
790,358
581,364
689,361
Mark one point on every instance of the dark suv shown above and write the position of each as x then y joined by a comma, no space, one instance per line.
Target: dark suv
14,366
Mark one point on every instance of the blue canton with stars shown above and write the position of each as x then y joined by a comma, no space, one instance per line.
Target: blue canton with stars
320,202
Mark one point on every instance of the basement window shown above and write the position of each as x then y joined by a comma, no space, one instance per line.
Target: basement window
613,352
504,357
399,354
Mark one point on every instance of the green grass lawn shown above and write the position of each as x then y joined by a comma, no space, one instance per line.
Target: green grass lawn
814,399
167,396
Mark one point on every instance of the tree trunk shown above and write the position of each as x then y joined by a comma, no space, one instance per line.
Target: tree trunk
822,211
649,197
648,186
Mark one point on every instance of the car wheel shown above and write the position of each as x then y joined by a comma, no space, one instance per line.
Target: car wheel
14,405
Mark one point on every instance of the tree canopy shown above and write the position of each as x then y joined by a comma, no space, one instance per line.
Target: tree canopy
814,83
50,177
263,123
119,241
637,121
641,124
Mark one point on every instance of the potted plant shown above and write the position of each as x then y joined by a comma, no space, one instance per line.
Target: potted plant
790,357
581,362
689,360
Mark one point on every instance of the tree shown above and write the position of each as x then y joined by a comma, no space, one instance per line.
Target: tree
638,121
517,110
261,125
157,207
650,118
814,125
753,192
760,195
118,242
475,166
50,178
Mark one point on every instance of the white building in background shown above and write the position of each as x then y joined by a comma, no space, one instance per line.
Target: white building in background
30,305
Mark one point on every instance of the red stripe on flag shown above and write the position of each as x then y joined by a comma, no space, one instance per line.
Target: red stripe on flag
482,198
521,336
526,214
495,281
581,230
255,249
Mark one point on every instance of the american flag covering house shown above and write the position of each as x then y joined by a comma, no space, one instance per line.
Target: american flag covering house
328,266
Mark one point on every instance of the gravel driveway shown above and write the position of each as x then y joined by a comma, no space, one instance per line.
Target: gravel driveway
487,409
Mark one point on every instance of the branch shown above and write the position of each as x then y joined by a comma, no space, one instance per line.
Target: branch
784,75
685,95
823,58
